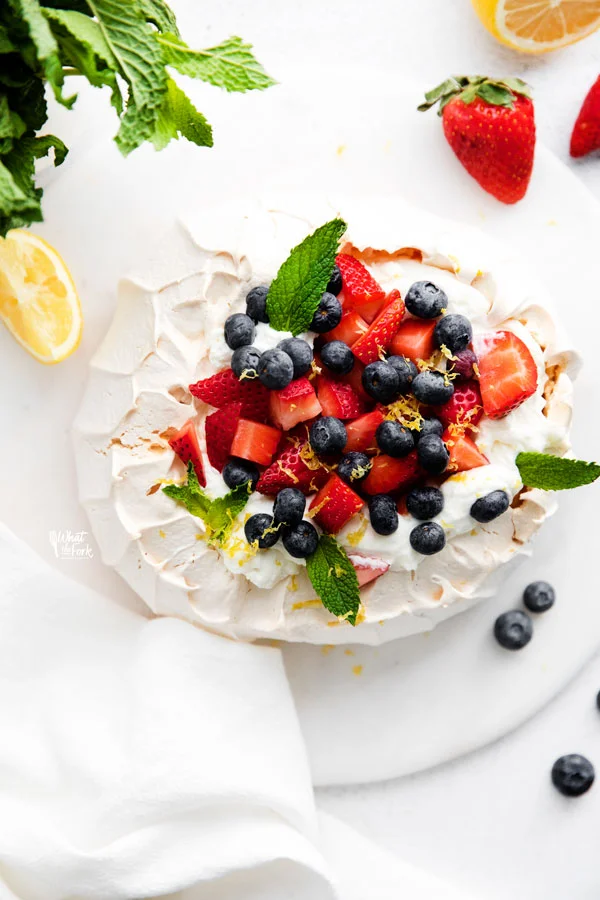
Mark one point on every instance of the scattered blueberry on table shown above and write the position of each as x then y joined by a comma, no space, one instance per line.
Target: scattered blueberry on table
513,629
539,596
573,775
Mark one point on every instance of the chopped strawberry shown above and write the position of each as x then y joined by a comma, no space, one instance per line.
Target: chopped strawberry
338,399
335,504
291,470
465,407
507,372
414,339
369,311
186,446
223,388
464,452
255,442
295,403
354,379
361,432
388,474
220,428
349,330
359,286
378,338
368,568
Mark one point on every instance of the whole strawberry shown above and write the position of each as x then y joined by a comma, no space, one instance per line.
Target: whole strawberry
490,126
586,131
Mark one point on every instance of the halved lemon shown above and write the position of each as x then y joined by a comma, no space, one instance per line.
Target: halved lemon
536,26
38,299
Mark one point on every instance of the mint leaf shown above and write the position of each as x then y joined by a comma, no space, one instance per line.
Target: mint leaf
295,293
6,45
157,12
133,44
230,65
217,514
44,45
11,126
14,201
178,116
333,577
555,473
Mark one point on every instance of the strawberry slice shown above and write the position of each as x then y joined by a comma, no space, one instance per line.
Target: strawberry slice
291,470
368,568
224,388
255,442
507,372
414,339
220,428
465,407
378,338
361,432
335,504
464,452
349,330
354,379
388,474
338,399
359,286
295,403
186,446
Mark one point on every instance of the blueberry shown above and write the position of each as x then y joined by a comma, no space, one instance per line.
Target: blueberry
598,699
276,369
490,507
381,382
335,282
244,362
289,506
395,439
239,330
300,352
256,303
539,596
383,514
513,629
463,366
573,775
354,466
260,529
338,357
432,388
301,541
328,435
454,332
240,471
430,426
405,370
433,454
426,300
425,502
428,538
328,314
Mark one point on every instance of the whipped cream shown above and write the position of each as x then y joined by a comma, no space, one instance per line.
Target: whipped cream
139,389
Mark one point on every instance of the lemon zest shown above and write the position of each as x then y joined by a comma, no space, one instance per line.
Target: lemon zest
307,604
293,584
355,537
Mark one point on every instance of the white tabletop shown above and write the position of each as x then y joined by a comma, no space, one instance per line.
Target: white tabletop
491,821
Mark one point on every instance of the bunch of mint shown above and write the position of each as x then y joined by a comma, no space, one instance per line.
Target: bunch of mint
129,46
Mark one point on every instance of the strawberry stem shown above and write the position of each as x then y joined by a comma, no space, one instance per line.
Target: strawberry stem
495,92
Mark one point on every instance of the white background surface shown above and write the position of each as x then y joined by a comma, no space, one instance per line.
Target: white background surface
490,821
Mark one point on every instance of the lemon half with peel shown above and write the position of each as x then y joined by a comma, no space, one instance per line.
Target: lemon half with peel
38,300
537,26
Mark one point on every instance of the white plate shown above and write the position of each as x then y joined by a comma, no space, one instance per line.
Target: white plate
425,699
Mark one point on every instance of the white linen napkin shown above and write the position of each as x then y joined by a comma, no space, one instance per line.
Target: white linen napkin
148,758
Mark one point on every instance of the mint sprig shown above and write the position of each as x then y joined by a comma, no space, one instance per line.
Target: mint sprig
334,579
217,514
555,473
131,47
295,293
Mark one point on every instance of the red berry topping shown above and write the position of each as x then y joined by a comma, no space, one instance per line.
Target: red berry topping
378,338
220,428
414,339
186,446
334,505
350,328
359,286
338,399
389,474
361,432
465,407
223,388
368,568
464,452
295,403
586,132
296,466
507,372
255,442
